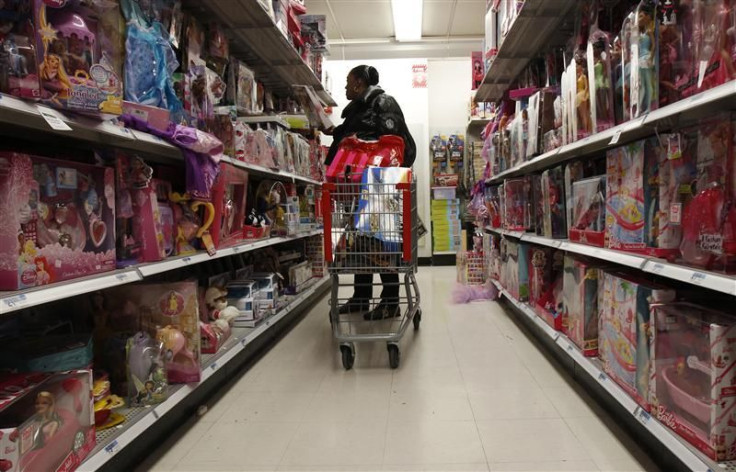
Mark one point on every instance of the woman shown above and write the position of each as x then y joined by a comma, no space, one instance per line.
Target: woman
372,113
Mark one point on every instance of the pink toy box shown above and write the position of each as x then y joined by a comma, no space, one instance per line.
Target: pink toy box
79,49
545,284
517,208
169,313
694,392
625,331
156,117
580,303
18,72
588,212
58,220
139,229
516,268
49,426
228,197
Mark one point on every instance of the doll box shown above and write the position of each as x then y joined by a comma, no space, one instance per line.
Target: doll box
228,197
156,117
517,204
625,330
50,426
553,218
588,211
79,54
581,281
694,392
168,312
545,284
212,337
58,220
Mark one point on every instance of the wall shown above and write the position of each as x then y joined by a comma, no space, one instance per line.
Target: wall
442,105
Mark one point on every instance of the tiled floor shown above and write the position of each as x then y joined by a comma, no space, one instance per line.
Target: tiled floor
473,393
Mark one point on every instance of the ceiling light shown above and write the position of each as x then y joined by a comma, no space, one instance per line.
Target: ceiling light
407,19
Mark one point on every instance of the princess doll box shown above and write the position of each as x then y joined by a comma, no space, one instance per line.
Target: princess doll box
58,220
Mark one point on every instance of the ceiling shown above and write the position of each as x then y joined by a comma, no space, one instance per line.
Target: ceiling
364,29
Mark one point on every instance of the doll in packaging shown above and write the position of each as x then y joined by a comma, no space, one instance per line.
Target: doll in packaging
18,71
644,59
599,78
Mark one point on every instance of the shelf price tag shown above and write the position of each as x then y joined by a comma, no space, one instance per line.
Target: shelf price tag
643,416
213,366
615,138
698,278
113,447
186,260
16,301
657,268
52,118
602,377
122,277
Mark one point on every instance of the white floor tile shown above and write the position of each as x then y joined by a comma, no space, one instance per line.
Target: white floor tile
511,403
445,380
557,466
354,443
572,402
479,467
269,407
533,440
345,406
430,406
176,446
433,442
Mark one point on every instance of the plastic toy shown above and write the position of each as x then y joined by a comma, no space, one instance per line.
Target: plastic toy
228,198
219,311
545,284
146,373
49,426
625,331
517,204
58,220
588,211
190,227
552,201
78,60
644,59
599,78
625,210
580,303
693,371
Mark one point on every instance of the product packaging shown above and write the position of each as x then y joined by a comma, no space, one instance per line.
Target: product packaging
580,290
588,211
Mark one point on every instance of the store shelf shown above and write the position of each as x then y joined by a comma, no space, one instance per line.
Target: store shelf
690,457
476,122
537,24
272,173
710,280
19,114
257,40
263,119
682,113
18,300
111,442
444,253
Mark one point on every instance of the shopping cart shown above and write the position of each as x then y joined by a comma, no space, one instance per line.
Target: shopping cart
370,228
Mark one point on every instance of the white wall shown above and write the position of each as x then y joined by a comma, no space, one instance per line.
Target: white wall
442,106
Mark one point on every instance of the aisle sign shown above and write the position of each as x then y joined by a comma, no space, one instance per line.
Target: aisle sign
419,76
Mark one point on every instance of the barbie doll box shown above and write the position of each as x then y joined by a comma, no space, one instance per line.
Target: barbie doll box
625,328
694,392
49,426
580,303
58,220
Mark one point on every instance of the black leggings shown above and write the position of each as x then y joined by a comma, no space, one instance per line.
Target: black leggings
364,287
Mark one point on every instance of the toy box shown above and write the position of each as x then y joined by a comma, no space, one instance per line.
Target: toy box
517,204
228,197
517,269
641,50
538,204
79,54
545,284
168,312
241,295
49,353
588,213
50,425
145,359
58,220
693,392
625,330
580,286
138,225
625,211
552,199
156,117
18,67
708,214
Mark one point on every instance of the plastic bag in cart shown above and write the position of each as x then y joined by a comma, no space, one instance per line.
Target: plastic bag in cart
380,210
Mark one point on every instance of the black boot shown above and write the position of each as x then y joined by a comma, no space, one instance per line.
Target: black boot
354,305
383,311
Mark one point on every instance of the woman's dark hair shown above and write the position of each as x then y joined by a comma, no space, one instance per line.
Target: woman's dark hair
367,74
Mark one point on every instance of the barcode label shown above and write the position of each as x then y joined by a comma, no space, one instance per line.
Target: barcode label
657,268
616,137
16,301
698,278
113,447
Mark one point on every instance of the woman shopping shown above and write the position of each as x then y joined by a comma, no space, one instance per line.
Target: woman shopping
370,114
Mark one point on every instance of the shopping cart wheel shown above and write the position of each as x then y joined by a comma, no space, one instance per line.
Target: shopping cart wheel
394,356
348,357
417,319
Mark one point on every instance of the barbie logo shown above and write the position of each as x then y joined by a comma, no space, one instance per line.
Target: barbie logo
666,417
172,304
55,3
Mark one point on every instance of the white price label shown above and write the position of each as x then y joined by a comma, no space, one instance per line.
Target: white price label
243,342
569,348
698,278
155,414
643,416
16,301
615,138
602,377
657,268
52,118
113,447
122,277
213,366
186,260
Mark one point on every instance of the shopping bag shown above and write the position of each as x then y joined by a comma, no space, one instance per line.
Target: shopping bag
355,155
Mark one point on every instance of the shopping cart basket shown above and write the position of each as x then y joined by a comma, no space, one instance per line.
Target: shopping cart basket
371,227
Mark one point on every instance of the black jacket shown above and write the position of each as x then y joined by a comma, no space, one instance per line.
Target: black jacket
376,114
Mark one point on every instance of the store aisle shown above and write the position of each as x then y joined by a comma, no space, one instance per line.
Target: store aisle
472,394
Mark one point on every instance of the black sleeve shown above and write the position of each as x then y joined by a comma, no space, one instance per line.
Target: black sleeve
390,120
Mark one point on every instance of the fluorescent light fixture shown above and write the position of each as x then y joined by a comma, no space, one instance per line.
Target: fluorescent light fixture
407,19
